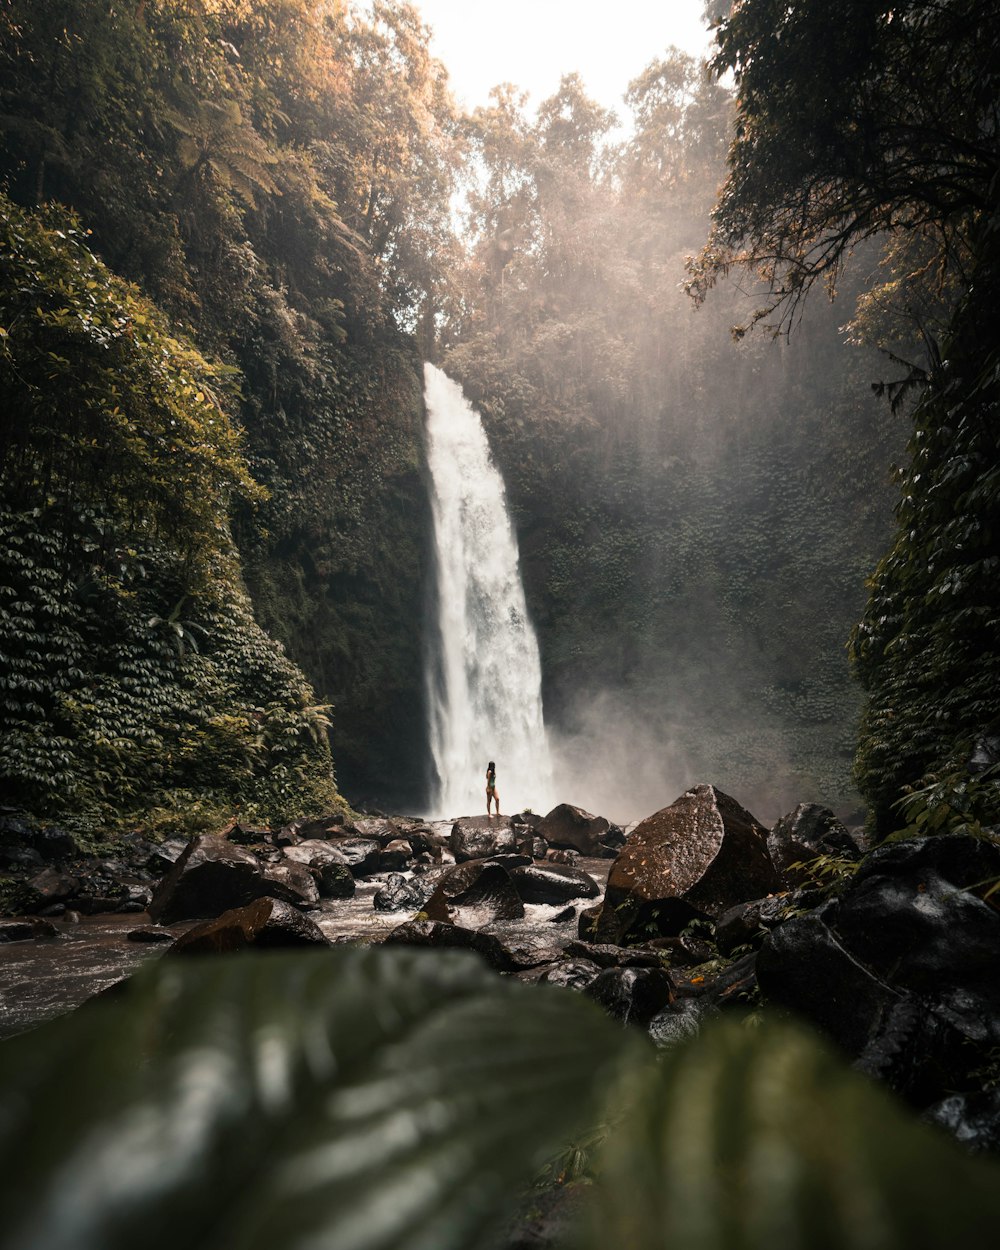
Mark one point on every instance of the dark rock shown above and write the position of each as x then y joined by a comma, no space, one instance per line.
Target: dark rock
426,842
264,924
479,837
971,1118
540,848
26,930
24,857
613,956
395,856
574,974
805,834
211,877
803,966
572,827
382,830
687,950
152,936
53,909
965,861
452,936
553,883
362,855
248,835
736,985
402,894
748,923
163,857
567,913
292,882
676,1023
632,995
474,894
136,896
562,855
285,837
52,844
318,827
914,1051
328,866
586,927
698,857
50,886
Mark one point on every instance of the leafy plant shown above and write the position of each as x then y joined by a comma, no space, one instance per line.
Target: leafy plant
958,801
389,1099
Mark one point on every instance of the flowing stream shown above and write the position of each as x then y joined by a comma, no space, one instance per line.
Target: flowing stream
485,679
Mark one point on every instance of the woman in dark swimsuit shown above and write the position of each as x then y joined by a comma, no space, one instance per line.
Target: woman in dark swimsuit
491,787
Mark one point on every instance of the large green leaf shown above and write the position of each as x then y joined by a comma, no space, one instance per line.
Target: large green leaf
354,1100
762,1139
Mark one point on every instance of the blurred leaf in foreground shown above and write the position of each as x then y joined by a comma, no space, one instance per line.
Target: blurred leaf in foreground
356,1100
763,1139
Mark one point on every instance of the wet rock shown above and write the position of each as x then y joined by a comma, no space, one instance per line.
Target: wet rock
381,829
632,995
318,826
562,855
474,894
567,913
676,1023
479,837
248,835
28,929
285,837
804,966
328,866
362,855
427,842
23,857
972,1119
152,936
52,844
292,882
571,827
553,883
687,950
734,986
915,1051
211,877
586,926
802,835
574,974
135,897
265,923
50,886
748,923
451,936
395,856
607,956
403,894
696,858
163,857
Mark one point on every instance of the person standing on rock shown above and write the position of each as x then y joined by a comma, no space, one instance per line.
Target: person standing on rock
491,787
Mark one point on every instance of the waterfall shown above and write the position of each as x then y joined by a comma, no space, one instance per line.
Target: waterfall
485,682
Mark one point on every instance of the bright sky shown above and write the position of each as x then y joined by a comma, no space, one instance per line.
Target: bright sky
532,43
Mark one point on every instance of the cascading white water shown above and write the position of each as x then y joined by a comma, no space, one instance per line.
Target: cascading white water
485,685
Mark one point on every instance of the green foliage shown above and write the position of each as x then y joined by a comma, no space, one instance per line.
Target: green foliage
959,802
388,1099
828,873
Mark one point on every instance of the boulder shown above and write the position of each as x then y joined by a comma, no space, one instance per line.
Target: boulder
748,923
561,855
613,956
248,835
293,882
972,1118
676,1023
805,834
632,995
395,855
266,923
479,837
402,893
150,936
574,974
453,936
362,855
474,894
50,886
163,857
211,877
26,930
381,829
318,826
572,827
328,866
552,883
696,858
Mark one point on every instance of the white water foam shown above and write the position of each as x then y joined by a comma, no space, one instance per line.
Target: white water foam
485,681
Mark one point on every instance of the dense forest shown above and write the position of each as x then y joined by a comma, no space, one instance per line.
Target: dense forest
231,233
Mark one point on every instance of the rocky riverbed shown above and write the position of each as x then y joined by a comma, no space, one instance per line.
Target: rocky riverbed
697,910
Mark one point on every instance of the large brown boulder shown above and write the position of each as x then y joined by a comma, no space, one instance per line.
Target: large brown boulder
569,826
698,857
474,894
213,876
479,837
265,923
